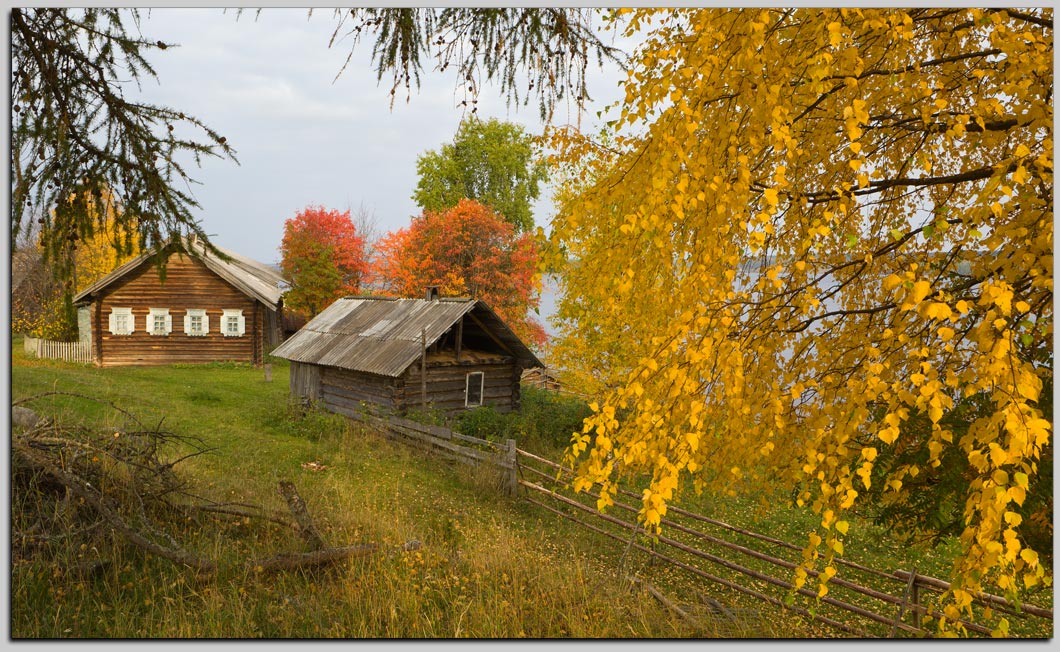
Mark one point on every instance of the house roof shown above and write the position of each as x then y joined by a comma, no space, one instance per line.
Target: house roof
250,277
382,335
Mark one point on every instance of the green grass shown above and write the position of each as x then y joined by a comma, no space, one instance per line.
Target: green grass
489,566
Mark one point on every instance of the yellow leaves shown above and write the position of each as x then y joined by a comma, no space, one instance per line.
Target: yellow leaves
1028,555
865,473
888,435
997,293
935,309
835,34
689,215
920,290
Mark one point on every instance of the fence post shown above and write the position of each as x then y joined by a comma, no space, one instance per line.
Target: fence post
914,598
512,470
911,596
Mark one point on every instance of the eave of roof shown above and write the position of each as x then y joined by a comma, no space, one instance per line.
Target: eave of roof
250,277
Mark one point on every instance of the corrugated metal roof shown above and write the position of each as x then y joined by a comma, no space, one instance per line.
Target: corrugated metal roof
383,336
250,277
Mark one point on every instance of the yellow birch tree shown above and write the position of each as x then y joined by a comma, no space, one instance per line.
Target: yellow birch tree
807,228
105,247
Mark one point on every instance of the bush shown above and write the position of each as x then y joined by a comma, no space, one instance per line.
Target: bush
486,423
311,421
549,418
545,423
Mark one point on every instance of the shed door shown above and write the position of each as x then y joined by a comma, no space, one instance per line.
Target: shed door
305,380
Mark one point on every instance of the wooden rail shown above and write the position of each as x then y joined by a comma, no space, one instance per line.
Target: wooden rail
701,549
692,549
452,445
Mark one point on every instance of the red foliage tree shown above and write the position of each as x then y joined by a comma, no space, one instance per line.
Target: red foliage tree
323,259
468,250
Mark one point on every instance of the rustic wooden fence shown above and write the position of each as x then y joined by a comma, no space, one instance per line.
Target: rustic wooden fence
450,445
861,601
68,351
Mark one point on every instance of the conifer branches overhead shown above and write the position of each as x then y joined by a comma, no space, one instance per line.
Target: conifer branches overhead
542,52
76,137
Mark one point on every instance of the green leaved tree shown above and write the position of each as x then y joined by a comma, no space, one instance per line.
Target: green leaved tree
492,162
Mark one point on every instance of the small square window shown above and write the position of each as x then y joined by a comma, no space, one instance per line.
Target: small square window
159,322
196,322
233,324
121,321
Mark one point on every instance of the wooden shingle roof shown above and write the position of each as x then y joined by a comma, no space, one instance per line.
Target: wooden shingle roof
252,278
382,335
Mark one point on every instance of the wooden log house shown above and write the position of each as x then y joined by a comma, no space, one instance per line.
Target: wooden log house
399,354
205,309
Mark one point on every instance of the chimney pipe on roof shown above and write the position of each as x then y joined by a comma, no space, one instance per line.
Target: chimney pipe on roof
432,292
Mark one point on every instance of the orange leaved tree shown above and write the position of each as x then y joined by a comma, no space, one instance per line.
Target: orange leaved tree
322,259
468,250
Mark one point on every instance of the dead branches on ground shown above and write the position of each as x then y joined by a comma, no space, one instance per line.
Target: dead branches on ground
75,486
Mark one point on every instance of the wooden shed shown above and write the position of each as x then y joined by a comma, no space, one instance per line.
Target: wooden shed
401,354
205,309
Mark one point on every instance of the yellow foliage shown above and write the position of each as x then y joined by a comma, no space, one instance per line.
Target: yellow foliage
854,224
106,248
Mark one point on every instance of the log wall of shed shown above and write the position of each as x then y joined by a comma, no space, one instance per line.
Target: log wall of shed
343,390
447,385
188,285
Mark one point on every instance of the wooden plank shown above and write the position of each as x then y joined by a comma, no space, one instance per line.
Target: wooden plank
490,333
449,435
996,600
428,429
347,402
462,451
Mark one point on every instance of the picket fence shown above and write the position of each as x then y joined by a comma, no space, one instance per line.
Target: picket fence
68,351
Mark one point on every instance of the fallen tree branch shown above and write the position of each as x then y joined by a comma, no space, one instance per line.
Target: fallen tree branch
84,490
300,512
294,560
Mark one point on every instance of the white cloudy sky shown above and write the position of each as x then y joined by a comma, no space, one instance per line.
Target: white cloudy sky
267,83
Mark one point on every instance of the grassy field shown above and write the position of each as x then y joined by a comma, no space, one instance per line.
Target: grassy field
488,566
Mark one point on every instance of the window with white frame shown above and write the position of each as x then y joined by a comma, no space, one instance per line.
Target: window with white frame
159,321
233,324
473,394
196,322
121,321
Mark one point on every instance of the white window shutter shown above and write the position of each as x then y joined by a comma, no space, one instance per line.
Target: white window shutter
205,323
187,323
242,325
110,323
169,323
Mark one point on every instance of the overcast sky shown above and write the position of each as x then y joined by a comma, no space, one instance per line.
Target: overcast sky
302,137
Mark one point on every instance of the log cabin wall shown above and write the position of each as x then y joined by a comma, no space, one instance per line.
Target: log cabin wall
447,385
343,390
188,285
